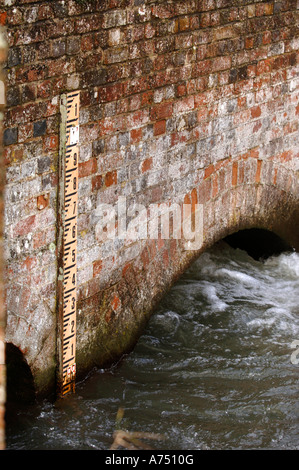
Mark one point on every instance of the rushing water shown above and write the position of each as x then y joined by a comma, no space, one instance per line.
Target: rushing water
213,370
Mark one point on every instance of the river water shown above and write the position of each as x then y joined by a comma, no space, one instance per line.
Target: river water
216,368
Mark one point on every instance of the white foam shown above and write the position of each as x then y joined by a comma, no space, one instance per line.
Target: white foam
238,276
286,264
210,292
169,321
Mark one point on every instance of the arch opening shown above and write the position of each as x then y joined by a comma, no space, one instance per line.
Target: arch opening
20,387
259,243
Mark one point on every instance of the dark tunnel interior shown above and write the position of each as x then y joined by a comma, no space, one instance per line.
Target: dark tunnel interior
260,244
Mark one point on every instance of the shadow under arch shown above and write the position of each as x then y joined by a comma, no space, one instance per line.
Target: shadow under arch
259,243
20,387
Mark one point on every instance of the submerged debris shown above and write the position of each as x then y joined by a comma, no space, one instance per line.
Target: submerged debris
131,440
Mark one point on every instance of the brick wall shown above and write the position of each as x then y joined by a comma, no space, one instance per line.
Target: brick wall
3,52
181,101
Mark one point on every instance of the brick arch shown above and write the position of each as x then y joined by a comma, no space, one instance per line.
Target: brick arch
242,193
248,192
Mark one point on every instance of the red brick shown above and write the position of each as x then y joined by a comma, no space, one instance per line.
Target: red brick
235,174
249,43
44,12
286,156
96,182
147,165
111,178
147,98
145,258
184,105
209,171
221,63
44,89
262,9
255,112
87,168
254,153
165,258
258,171
51,142
137,119
3,16
173,249
29,264
115,303
263,66
205,20
187,199
194,199
179,137
160,243
136,135
24,226
184,23
181,90
224,32
43,238
25,132
159,127
107,126
97,267
202,114
257,126
267,37
110,92
126,268
87,43
163,11
215,185
201,68
152,248
161,111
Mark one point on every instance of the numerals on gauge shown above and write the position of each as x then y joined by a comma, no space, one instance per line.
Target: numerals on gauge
71,182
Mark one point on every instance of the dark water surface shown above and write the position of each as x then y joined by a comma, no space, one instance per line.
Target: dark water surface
213,370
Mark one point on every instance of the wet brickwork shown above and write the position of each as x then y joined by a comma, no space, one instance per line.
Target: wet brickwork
191,102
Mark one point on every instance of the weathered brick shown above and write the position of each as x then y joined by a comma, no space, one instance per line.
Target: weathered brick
179,100
113,19
14,57
162,111
51,143
73,45
10,136
136,135
97,182
24,226
159,127
111,178
39,128
184,105
87,168
147,165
